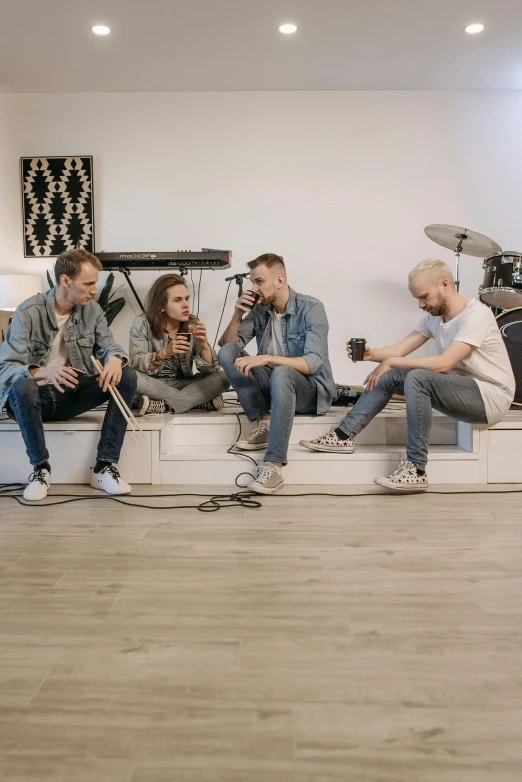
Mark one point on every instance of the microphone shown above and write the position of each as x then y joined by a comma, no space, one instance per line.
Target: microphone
235,277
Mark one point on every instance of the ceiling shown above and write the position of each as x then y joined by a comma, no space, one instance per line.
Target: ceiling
167,45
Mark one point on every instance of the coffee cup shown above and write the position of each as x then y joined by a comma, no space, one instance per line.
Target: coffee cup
256,296
358,346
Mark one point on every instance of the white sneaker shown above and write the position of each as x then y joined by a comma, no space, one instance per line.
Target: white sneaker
405,478
257,440
329,443
38,486
110,480
268,480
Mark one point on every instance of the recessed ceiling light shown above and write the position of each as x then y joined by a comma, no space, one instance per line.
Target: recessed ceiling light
287,29
473,29
100,29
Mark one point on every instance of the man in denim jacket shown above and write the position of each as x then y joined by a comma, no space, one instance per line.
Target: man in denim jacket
291,372
46,372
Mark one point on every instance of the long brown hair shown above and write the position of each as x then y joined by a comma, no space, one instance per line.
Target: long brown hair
156,301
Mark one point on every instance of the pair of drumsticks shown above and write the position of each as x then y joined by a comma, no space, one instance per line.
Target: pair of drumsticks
124,409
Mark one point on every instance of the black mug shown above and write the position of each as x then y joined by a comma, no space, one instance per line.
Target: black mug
255,295
357,346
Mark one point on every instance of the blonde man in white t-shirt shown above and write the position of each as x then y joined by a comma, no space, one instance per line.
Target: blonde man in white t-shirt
471,379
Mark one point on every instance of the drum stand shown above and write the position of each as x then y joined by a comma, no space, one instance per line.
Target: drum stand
457,252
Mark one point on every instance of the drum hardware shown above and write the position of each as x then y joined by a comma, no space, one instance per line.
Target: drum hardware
462,242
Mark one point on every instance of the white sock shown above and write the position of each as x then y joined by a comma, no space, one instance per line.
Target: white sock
265,424
277,465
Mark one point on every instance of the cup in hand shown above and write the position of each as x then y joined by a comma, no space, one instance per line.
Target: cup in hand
188,336
357,346
256,296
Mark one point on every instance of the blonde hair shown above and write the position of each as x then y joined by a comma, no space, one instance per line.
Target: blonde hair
435,269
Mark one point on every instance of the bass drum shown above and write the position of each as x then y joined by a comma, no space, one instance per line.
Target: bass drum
510,325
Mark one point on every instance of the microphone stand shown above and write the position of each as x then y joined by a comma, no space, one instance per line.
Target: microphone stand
239,280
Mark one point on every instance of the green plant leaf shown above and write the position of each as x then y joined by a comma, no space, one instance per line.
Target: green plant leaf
49,280
113,309
103,298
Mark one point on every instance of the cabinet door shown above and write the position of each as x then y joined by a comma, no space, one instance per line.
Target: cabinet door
72,455
505,456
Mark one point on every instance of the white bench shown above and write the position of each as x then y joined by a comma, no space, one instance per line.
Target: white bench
192,449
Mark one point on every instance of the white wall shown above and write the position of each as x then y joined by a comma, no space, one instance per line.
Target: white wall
341,184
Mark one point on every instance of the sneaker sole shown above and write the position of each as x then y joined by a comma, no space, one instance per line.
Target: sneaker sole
249,447
403,487
111,493
326,448
267,491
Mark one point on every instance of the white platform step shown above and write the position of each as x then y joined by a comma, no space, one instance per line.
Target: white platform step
212,464
223,428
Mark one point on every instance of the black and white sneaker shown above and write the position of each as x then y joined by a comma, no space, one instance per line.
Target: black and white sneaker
405,478
152,406
110,480
330,443
38,486
210,407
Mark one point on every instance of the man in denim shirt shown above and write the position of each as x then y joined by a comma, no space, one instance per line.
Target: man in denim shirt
291,372
46,372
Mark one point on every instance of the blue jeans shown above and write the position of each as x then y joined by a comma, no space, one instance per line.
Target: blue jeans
280,391
454,395
30,405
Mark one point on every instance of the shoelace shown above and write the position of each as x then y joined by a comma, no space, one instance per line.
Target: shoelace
258,432
38,475
112,470
265,472
156,406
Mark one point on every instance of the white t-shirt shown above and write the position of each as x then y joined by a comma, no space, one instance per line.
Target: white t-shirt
488,363
276,344
58,356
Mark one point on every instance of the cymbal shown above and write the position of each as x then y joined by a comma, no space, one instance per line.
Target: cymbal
471,243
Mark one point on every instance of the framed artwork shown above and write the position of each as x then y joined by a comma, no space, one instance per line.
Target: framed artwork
57,205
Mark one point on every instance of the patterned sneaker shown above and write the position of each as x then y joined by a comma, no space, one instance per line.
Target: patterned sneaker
39,482
152,406
330,443
405,478
257,440
109,480
210,407
268,480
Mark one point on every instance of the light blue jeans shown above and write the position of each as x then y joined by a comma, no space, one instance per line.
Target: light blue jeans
454,395
280,391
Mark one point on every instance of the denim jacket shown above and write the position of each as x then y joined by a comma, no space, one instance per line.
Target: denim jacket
305,335
143,344
30,337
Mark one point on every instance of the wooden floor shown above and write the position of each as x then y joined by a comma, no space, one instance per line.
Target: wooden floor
362,639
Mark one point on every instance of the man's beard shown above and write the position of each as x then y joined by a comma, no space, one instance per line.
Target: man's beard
441,308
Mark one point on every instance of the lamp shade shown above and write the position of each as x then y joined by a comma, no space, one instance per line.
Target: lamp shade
16,288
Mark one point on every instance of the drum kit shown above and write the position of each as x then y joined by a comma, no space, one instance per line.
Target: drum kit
501,289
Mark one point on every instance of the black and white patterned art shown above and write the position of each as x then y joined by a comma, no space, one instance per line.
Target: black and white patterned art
57,204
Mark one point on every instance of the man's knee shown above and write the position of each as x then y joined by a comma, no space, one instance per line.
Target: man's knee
418,377
228,354
129,379
24,392
283,377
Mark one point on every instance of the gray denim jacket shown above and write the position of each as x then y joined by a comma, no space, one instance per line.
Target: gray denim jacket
142,344
30,337
305,335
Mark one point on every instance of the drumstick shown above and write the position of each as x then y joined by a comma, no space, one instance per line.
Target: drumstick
124,409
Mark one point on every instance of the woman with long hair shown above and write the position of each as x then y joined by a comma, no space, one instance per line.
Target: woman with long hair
165,344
